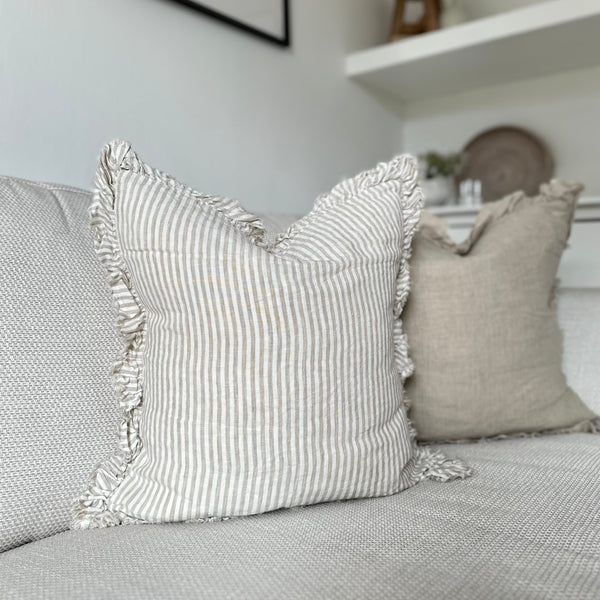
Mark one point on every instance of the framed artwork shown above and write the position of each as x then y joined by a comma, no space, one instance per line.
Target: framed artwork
267,19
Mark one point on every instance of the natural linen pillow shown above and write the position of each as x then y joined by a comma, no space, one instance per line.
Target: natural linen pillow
482,323
255,375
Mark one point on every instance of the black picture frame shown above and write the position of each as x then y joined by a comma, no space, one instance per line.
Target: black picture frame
283,41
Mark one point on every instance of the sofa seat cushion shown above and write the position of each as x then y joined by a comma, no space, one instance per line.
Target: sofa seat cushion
525,525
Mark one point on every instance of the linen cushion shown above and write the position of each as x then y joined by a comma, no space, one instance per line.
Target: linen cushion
57,410
524,526
483,326
238,392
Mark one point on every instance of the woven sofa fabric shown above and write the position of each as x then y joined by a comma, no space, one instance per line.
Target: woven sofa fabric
57,340
238,393
483,325
579,319
524,526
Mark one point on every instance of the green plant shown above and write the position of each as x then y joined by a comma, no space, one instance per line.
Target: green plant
436,164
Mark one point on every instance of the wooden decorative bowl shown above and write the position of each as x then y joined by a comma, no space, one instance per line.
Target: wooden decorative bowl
507,159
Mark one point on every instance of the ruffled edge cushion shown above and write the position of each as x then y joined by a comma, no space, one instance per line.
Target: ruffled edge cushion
91,509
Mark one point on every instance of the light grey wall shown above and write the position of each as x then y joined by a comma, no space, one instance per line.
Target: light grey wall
223,111
564,110
475,9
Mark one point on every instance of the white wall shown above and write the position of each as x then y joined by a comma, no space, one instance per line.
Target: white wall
223,111
564,110
230,114
476,9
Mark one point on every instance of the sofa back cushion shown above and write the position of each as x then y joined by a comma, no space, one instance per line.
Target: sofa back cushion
57,343
579,319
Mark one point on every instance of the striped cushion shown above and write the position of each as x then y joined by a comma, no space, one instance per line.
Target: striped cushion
255,374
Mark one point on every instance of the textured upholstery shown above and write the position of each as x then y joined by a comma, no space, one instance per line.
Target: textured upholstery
57,344
579,318
525,526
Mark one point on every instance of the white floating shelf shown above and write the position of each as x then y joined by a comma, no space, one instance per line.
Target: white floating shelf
534,41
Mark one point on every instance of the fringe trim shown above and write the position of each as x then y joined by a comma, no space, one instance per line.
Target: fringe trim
431,464
557,197
588,426
434,229
412,204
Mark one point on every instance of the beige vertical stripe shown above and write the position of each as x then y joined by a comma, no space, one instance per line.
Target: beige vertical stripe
256,375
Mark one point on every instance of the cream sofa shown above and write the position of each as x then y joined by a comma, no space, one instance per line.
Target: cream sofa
526,525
